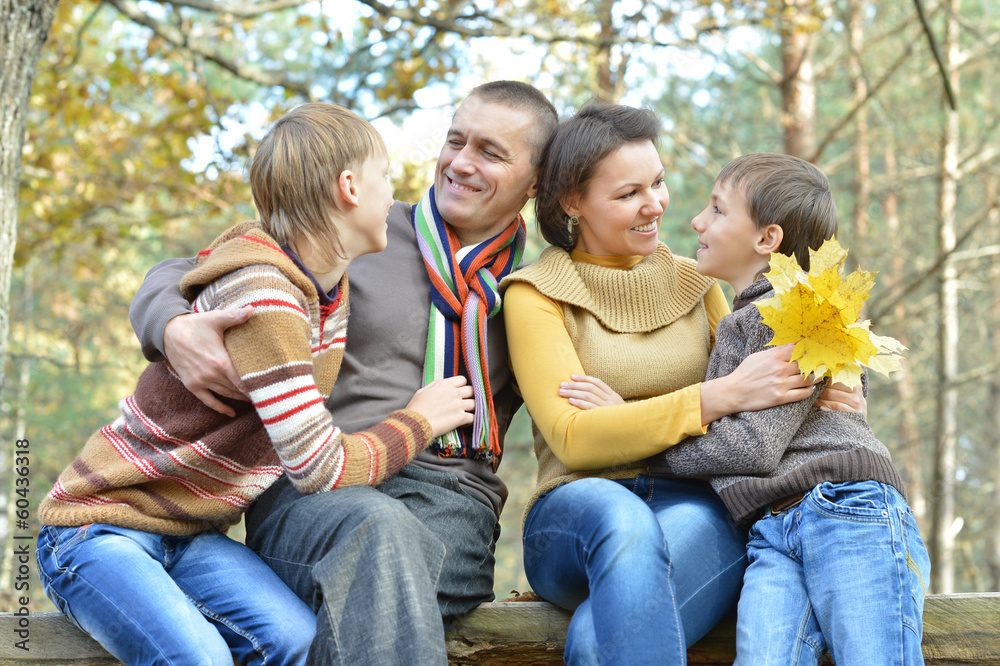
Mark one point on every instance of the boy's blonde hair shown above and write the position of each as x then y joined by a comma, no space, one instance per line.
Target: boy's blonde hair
787,191
295,172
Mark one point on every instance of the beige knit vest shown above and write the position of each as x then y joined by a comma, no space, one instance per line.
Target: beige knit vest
643,331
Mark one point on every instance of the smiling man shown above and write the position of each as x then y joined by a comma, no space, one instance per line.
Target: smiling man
480,175
383,565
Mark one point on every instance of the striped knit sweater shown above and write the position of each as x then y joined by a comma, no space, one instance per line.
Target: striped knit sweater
171,465
755,458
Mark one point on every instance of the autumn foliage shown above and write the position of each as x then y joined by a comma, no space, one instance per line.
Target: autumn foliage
820,313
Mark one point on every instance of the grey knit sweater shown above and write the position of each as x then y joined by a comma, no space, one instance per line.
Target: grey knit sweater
754,458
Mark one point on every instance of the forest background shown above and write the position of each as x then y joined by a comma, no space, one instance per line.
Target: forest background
125,135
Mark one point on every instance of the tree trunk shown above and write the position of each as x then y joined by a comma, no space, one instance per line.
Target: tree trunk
993,539
798,86
20,430
907,439
24,25
605,75
862,162
943,525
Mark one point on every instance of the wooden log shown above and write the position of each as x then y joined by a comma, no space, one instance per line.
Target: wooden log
962,629
51,639
512,632
958,629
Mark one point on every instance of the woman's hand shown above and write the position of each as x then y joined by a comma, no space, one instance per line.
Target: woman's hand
764,379
839,398
446,404
194,347
588,392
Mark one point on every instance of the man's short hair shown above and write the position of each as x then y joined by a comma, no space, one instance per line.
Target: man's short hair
518,95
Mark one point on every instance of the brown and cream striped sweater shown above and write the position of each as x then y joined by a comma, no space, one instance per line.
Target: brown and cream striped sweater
171,465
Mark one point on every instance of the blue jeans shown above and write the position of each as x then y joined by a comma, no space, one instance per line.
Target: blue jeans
381,566
844,571
154,599
647,565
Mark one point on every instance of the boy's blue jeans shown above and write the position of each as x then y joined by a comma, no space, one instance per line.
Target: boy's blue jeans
154,599
845,570
647,565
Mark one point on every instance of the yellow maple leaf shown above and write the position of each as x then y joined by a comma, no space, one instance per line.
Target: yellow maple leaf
785,273
851,294
819,312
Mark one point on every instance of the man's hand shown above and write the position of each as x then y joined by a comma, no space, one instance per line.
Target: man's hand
587,392
194,347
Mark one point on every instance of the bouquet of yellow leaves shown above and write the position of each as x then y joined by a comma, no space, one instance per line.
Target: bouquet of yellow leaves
820,312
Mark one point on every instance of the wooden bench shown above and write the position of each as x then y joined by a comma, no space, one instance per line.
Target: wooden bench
958,629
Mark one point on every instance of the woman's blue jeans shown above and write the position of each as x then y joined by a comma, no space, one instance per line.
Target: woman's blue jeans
154,599
845,570
647,565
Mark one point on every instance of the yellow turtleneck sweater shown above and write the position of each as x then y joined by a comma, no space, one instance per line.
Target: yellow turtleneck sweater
644,325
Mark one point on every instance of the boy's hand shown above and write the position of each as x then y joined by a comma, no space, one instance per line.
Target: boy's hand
839,398
194,347
588,392
446,404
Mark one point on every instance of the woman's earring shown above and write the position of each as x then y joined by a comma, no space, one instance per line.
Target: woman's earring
571,223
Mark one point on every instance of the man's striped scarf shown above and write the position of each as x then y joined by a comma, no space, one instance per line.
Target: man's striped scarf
464,295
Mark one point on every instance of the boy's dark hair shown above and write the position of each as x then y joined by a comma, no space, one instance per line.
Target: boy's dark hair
787,191
574,154
295,171
518,95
